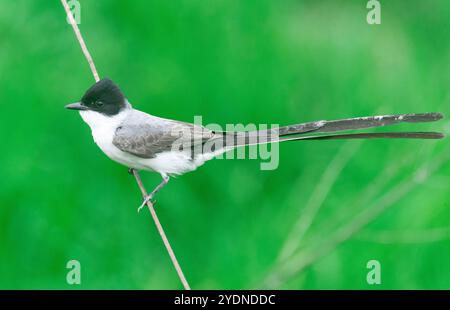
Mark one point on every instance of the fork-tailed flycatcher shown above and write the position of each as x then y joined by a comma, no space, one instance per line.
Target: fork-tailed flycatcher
142,141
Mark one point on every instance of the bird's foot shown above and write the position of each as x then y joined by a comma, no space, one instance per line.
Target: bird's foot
144,203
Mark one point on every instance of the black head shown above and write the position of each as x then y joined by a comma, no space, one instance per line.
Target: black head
104,97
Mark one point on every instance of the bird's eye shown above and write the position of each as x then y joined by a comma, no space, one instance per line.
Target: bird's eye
99,103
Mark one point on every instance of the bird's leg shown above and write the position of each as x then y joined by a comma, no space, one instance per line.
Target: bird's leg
165,180
131,171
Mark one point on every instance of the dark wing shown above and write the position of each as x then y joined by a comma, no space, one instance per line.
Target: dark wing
145,136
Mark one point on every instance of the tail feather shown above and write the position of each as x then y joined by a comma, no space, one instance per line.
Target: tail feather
358,123
319,130
373,135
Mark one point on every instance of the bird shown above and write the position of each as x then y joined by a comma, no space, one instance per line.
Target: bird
142,141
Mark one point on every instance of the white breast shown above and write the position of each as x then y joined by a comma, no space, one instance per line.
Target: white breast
103,130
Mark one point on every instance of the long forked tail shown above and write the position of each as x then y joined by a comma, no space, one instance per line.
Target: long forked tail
326,130
358,123
373,135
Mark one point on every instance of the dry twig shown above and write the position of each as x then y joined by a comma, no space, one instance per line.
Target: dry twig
135,172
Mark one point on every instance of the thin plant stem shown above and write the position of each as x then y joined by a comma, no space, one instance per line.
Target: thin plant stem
135,172
162,233
80,40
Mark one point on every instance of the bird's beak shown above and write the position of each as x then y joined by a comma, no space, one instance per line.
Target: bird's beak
76,106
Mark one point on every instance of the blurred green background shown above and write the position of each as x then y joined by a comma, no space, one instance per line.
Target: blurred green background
253,61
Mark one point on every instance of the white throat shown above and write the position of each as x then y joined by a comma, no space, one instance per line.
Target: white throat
104,127
97,121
